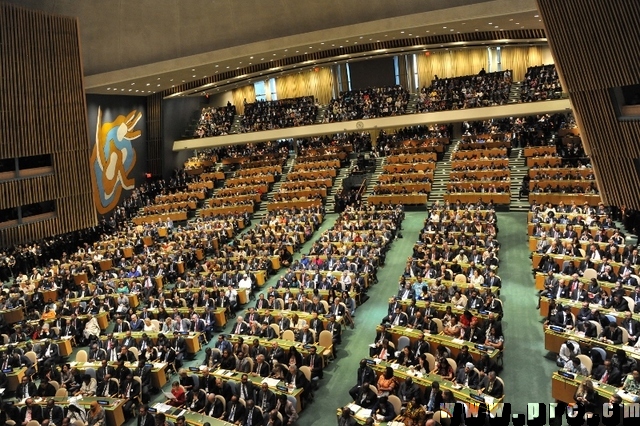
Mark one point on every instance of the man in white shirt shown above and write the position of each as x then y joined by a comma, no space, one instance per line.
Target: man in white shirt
245,282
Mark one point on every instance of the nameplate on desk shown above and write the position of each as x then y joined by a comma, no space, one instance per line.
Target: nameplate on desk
557,329
566,374
477,397
484,348
7,370
282,388
152,410
104,402
307,347
370,362
195,369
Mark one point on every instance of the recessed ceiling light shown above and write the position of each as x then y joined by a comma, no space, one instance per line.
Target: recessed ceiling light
452,30
122,90
250,57
148,84
444,27
108,88
133,84
137,90
428,31
158,85
193,69
497,26
193,75
217,66
517,23
536,16
490,23
477,29
322,43
158,78
274,54
510,19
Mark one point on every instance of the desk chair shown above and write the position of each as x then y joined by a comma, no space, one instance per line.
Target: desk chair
81,356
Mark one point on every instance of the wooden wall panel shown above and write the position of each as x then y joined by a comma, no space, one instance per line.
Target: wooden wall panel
154,134
596,47
43,111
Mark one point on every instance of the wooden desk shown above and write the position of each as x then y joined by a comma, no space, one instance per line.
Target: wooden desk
563,388
408,167
479,163
539,151
399,188
557,198
192,339
576,306
533,173
553,340
415,176
15,378
406,199
475,186
284,344
474,197
490,153
158,373
154,218
544,162
221,211
462,394
12,316
227,375
301,204
436,340
412,158
481,174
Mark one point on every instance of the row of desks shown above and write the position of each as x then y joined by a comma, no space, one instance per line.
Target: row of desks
474,197
154,218
409,167
406,199
435,340
560,259
567,199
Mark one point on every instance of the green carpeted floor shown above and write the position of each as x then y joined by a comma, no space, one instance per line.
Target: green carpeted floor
527,372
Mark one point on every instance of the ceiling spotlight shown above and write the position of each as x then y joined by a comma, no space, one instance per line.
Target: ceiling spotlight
444,28
536,16
148,84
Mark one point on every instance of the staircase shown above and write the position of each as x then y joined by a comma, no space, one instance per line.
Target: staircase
441,175
343,173
372,181
514,94
412,104
322,112
236,125
286,169
518,168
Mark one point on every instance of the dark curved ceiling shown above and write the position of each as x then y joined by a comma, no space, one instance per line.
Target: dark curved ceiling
152,45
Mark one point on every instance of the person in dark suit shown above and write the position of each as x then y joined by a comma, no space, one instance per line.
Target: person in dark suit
213,407
144,417
26,389
52,414
364,374
49,354
632,326
253,416
607,373
618,303
366,397
491,386
299,380
234,411
611,334
31,411
277,354
245,389
196,400
46,389
265,398
563,317
314,362
467,376
336,331
107,387
240,327
129,390
382,334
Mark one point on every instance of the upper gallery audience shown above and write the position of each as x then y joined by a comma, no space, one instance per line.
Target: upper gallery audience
541,83
215,121
470,91
372,102
280,114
